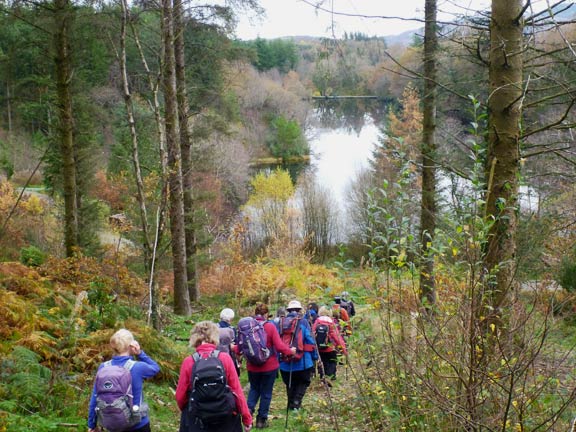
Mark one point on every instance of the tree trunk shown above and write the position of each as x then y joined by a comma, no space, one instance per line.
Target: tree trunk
9,105
66,126
181,295
428,200
503,168
141,195
186,151
153,82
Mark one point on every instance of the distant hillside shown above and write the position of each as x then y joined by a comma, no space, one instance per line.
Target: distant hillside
404,38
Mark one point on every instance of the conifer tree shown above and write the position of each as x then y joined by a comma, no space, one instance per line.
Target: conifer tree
428,146
503,161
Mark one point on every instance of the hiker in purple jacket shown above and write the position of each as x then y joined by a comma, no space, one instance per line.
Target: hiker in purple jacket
125,348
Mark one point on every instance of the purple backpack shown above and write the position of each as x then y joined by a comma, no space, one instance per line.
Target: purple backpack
252,341
114,398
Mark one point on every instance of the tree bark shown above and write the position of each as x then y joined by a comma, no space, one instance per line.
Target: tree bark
66,123
186,151
428,200
181,295
504,106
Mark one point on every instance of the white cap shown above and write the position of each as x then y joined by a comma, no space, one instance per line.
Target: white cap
227,314
345,294
294,304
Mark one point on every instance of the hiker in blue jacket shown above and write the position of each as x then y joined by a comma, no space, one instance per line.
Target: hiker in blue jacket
297,371
125,348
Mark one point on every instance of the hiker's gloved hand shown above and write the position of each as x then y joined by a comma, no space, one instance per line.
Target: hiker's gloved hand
247,428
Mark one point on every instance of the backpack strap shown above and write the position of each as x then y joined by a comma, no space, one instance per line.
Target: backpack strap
128,365
269,340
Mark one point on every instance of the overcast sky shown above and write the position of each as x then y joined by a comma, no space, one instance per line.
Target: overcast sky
299,18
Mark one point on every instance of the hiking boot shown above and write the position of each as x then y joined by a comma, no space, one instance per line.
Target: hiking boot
261,423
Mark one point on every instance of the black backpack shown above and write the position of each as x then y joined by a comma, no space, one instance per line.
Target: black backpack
211,400
322,334
346,305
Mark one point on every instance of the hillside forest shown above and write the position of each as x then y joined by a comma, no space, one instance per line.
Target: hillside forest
153,171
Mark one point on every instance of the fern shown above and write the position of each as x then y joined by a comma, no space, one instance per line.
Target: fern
26,380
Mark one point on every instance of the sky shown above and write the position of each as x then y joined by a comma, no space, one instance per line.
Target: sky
299,17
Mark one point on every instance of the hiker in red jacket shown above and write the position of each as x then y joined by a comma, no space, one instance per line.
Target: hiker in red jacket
262,377
329,341
204,338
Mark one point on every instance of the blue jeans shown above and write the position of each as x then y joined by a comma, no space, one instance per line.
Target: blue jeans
261,386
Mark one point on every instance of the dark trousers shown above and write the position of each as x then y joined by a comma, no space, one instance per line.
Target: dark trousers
261,386
329,362
297,383
145,428
192,424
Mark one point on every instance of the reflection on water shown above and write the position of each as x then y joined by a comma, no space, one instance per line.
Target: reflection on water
339,154
348,114
342,137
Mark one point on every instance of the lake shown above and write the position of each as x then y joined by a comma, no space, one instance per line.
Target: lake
339,154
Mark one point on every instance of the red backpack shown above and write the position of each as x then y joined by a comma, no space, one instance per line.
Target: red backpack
291,335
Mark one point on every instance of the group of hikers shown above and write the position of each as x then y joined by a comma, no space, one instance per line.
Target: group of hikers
297,343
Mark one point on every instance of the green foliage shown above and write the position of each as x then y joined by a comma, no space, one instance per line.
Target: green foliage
32,256
277,53
287,139
102,298
567,273
26,379
6,164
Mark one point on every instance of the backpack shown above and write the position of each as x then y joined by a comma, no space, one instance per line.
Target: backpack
114,398
346,305
291,335
322,335
252,341
211,400
226,336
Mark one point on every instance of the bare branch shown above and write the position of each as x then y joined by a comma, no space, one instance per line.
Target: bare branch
551,125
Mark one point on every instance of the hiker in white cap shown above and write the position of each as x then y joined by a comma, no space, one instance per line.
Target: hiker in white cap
297,370
227,334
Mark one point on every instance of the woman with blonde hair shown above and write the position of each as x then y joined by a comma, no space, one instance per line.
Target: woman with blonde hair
124,348
209,393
